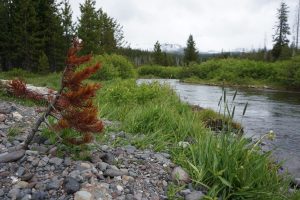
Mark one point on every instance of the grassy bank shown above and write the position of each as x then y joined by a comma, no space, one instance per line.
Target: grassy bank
281,74
225,165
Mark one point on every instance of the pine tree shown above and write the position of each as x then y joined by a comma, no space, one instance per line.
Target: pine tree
157,54
67,24
88,27
282,31
6,34
51,32
106,28
190,52
24,33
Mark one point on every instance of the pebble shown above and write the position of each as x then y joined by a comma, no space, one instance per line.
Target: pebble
71,185
83,195
180,176
56,161
121,173
2,117
17,116
114,172
21,184
196,195
39,195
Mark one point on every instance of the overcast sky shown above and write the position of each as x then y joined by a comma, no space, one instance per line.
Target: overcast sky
215,24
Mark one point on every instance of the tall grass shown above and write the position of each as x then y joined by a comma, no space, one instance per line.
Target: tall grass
225,165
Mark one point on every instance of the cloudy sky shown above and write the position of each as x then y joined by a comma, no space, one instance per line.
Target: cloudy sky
215,24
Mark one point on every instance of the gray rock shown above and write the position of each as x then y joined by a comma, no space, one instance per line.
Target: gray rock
138,196
196,195
32,153
162,159
180,176
39,195
67,161
129,197
53,151
56,161
6,108
102,166
83,195
130,149
12,156
26,197
20,171
17,116
39,148
13,193
75,174
185,192
1,192
3,126
114,172
2,117
53,185
26,177
21,184
108,158
71,185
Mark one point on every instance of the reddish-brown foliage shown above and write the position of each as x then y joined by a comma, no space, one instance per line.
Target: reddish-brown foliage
72,105
75,105
18,88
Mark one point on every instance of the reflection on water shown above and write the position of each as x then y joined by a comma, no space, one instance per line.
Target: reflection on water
267,110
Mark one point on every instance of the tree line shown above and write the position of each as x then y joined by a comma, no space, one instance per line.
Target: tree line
36,34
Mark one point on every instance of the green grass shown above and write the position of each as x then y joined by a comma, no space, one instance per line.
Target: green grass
51,80
225,165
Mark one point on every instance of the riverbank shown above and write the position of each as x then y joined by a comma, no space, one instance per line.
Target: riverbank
220,165
256,85
282,75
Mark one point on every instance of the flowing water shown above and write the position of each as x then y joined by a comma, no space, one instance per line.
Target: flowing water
267,110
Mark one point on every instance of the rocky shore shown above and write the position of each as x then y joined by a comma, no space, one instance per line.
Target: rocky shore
123,173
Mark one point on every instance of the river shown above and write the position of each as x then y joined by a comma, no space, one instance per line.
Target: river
267,110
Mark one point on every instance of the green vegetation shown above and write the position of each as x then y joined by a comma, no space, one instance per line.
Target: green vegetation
280,74
113,66
224,164
159,71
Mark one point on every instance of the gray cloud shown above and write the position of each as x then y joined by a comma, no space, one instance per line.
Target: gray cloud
215,24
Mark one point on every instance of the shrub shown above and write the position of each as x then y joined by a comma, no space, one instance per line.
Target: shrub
114,66
159,71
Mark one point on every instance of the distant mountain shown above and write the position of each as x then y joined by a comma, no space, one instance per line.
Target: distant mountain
172,48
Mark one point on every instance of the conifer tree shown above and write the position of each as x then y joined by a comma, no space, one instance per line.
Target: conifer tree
50,32
190,52
88,27
157,54
280,38
6,34
106,28
24,34
67,23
